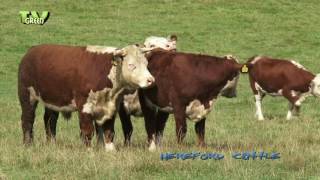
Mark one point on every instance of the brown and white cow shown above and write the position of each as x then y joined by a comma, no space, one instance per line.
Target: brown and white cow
130,106
187,86
277,77
169,43
82,79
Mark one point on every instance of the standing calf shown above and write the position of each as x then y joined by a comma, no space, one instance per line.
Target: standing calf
278,77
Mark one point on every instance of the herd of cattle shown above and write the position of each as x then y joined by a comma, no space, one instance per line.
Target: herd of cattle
150,80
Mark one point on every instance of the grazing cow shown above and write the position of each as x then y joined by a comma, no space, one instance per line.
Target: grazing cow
186,85
278,77
82,79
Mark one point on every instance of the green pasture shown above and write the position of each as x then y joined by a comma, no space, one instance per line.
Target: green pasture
278,28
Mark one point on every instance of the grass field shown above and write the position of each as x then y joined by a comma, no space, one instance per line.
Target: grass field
278,28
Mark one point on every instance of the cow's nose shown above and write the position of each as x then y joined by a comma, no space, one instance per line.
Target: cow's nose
150,81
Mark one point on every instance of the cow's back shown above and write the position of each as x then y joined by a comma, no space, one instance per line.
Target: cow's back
274,74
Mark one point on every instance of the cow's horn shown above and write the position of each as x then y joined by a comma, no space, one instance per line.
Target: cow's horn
119,52
144,50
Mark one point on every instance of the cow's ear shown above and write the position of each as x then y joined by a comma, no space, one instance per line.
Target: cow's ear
116,60
140,45
119,52
173,37
146,50
118,55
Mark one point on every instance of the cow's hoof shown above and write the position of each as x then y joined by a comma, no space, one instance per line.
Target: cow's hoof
109,147
152,146
127,143
89,149
202,145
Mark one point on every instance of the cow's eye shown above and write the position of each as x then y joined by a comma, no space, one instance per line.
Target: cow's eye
168,46
152,46
132,67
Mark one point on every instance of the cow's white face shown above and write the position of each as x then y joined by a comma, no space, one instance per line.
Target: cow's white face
134,67
161,42
315,86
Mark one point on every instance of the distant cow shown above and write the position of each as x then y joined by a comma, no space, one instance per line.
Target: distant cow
82,79
187,86
169,43
278,77
151,42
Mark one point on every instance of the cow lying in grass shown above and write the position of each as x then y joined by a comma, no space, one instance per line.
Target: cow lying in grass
277,77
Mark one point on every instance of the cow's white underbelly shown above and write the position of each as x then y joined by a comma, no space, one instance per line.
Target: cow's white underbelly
131,104
66,108
260,89
195,111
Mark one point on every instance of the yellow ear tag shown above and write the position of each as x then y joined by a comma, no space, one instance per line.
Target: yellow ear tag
244,69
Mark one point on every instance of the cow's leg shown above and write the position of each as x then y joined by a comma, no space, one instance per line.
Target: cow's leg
289,114
258,96
258,100
108,128
180,119
50,122
292,100
296,110
150,125
200,130
100,135
86,127
28,108
149,115
161,118
126,124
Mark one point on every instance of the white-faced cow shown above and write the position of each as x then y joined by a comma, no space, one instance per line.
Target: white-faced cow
130,104
151,42
285,78
169,43
187,86
82,79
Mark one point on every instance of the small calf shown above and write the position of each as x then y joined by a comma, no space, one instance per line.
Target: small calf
278,77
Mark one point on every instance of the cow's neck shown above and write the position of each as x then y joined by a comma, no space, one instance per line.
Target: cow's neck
104,103
116,78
